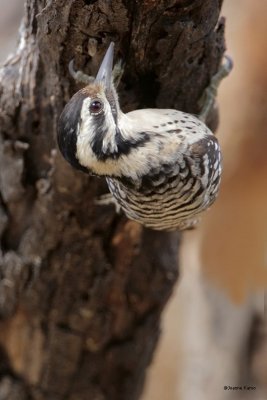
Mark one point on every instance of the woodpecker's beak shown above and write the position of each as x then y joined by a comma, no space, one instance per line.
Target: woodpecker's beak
104,74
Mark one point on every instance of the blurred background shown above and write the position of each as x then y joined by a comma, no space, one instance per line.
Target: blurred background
10,18
215,326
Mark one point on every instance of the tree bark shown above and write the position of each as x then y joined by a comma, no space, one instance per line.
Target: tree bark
81,288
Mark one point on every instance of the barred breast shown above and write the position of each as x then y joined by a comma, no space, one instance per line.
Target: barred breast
173,195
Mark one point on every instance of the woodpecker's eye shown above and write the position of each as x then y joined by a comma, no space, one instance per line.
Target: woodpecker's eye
96,107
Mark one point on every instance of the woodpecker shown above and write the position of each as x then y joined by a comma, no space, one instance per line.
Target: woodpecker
162,166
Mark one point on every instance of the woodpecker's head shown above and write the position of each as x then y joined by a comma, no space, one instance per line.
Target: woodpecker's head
88,131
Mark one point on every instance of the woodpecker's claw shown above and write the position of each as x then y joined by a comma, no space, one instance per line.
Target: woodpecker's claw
209,95
227,66
79,76
117,73
106,200
223,71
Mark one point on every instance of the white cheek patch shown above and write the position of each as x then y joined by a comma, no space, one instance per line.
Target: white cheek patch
86,120
109,143
83,150
87,135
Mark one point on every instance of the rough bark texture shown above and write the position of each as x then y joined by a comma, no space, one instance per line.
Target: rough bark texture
81,288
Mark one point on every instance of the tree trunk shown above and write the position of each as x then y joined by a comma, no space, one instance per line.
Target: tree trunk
81,288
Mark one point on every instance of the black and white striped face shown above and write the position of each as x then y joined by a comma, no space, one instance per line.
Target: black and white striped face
88,126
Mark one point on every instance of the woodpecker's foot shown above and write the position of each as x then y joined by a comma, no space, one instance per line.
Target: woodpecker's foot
117,73
80,76
106,200
210,93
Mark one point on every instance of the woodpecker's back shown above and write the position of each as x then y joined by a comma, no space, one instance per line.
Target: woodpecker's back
162,166
174,175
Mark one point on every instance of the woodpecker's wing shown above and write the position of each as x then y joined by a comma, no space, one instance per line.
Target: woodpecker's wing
168,121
